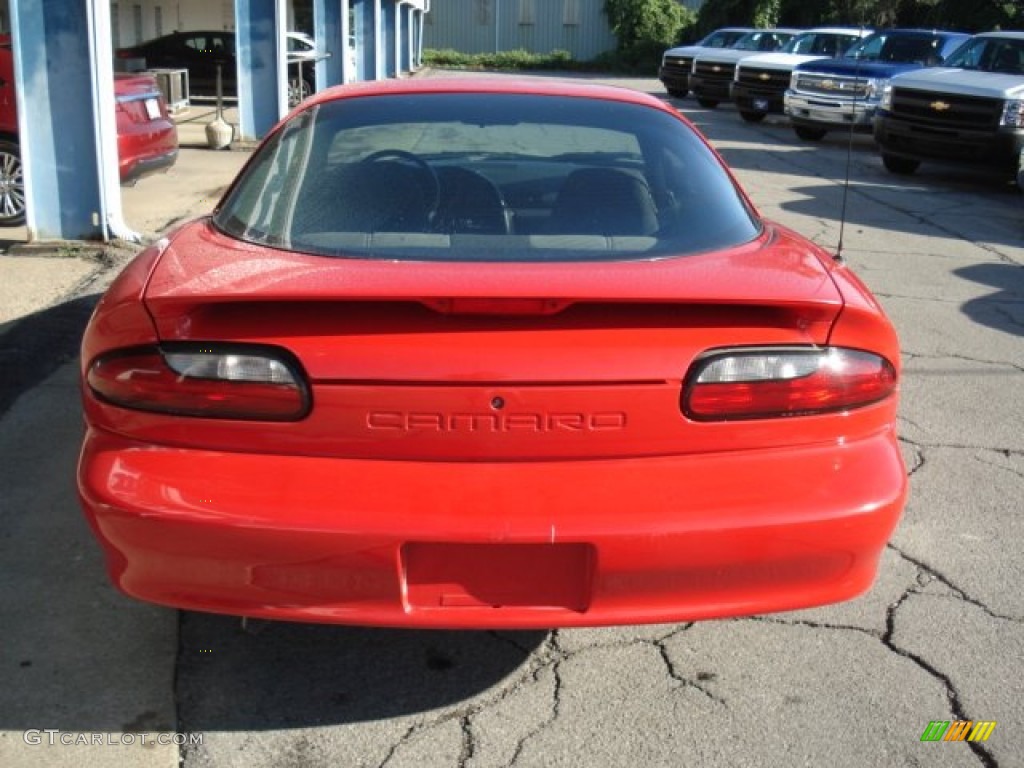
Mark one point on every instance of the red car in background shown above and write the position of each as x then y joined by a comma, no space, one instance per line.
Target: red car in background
147,139
489,353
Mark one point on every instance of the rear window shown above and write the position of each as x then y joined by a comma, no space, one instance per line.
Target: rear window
486,177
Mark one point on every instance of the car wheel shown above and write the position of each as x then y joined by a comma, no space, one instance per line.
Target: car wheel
677,93
902,166
299,89
752,117
708,103
12,186
809,134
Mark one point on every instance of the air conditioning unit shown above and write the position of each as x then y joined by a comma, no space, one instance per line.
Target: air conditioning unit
173,83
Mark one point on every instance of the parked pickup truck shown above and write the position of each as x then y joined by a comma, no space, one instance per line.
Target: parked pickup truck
677,62
713,71
970,111
761,81
844,93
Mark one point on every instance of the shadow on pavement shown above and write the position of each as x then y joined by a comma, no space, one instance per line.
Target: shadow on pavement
34,346
1004,309
273,675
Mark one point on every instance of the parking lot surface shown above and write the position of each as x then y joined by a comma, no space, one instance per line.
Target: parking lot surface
939,638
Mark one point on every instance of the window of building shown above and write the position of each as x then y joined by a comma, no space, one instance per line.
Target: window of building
527,12
115,25
137,22
571,12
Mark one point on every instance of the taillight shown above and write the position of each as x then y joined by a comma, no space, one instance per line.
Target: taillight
213,381
771,383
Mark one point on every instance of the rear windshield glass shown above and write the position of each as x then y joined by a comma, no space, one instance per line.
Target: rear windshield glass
486,177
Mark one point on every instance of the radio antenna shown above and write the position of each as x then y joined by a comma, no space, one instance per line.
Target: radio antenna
849,156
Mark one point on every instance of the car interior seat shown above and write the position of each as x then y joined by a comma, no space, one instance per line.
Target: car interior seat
604,201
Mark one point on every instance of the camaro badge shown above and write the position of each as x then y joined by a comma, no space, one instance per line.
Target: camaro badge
939,106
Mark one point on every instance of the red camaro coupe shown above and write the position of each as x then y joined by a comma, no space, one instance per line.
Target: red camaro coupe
485,353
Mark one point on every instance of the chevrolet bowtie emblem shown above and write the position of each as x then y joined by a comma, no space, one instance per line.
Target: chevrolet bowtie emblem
765,76
828,84
939,106
716,68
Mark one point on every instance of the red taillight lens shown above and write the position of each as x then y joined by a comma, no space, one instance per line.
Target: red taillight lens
766,383
258,383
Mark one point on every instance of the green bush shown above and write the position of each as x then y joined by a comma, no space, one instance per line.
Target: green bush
514,59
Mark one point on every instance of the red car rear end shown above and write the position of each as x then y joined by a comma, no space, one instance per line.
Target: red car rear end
147,139
321,405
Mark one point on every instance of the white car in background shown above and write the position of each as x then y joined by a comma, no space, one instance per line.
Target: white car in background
713,71
676,63
760,82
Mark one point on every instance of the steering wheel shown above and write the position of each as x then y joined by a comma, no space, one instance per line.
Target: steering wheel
428,183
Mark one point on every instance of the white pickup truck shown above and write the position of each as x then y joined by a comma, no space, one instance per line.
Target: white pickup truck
761,81
969,111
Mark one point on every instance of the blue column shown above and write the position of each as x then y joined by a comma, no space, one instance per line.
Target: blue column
368,40
409,35
418,48
56,78
262,79
331,40
390,28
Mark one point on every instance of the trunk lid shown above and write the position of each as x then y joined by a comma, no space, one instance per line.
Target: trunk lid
487,361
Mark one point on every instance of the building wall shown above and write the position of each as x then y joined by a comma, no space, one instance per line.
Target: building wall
135,21
538,26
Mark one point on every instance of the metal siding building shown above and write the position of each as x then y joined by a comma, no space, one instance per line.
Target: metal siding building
538,26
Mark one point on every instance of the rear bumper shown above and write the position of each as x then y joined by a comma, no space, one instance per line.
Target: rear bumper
144,149
516,544
133,169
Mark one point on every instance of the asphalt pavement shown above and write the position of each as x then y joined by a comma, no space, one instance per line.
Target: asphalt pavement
939,638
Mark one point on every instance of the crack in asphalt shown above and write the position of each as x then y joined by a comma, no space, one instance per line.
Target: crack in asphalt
468,741
983,755
956,591
549,656
965,358
684,682
558,656
924,576
1007,454
918,455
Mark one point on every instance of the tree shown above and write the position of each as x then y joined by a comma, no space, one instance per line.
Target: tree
640,23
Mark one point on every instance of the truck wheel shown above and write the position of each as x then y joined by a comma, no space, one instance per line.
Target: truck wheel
707,103
752,117
12,186
677,93
809,134
902,166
